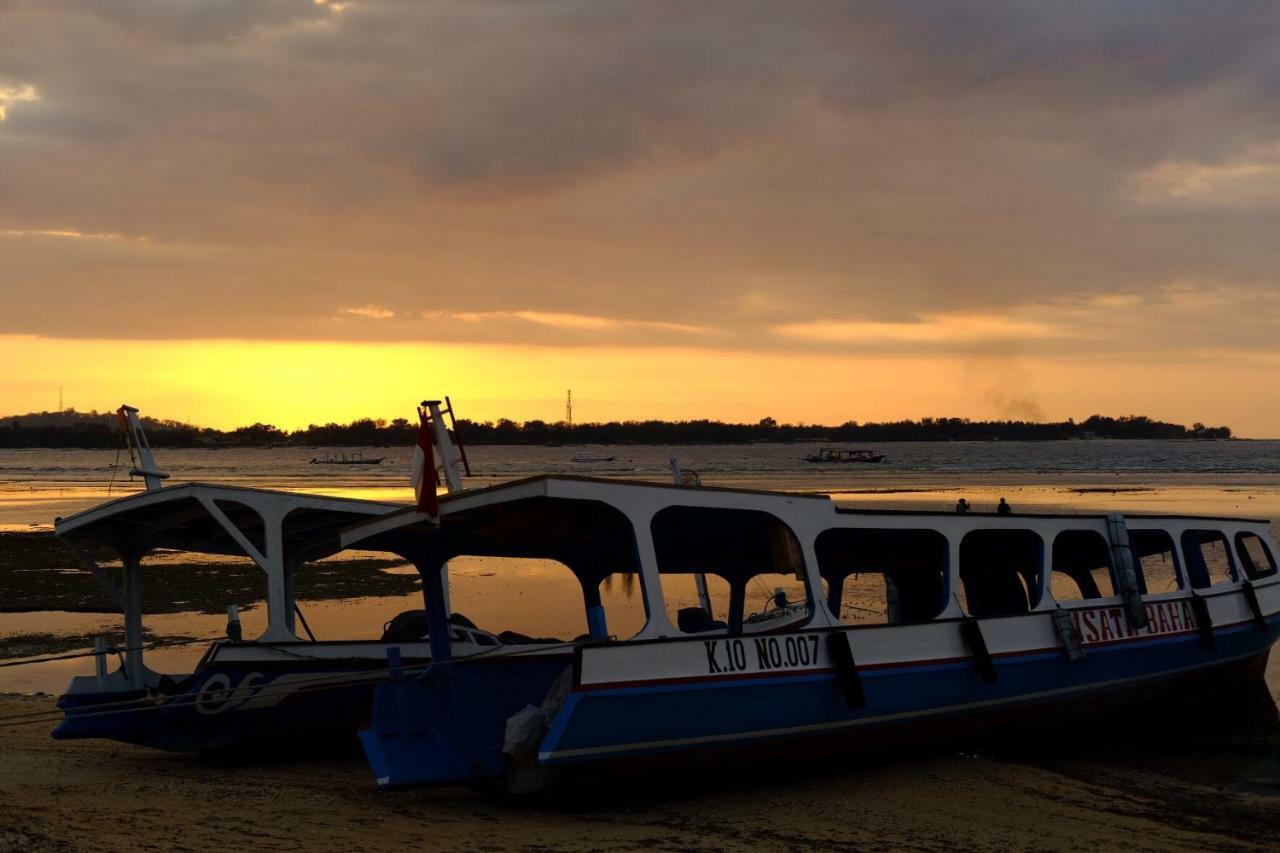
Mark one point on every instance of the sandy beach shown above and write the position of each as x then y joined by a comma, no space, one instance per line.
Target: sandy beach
1216,793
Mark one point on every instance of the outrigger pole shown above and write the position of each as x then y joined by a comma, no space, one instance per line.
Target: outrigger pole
451,453
145,463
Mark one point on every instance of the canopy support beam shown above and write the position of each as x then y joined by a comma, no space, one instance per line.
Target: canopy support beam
279,602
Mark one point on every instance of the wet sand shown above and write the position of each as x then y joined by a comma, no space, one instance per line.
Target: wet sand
88,795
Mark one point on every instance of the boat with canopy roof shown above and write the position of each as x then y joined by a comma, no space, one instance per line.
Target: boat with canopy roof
884,629
276,689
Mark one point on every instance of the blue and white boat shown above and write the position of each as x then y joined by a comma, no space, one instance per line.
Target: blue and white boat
785,625
279,689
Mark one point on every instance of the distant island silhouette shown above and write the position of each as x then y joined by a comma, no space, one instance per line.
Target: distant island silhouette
71,429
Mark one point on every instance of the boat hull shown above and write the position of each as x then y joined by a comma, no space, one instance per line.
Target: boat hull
684,702
1155,706
910,706
228,705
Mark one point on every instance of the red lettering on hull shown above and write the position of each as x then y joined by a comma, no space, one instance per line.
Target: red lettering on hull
1108,624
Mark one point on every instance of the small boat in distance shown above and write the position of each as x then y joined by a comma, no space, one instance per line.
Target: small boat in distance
584,459
344,459
840,454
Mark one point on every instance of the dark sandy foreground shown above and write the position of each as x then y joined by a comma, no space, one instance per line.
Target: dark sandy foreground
1222,794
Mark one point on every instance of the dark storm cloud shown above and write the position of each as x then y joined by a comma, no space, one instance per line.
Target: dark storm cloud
674,173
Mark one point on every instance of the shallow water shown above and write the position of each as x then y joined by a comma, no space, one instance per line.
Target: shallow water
36,485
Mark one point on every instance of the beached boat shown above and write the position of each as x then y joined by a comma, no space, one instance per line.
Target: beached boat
276,689
841,455
880,630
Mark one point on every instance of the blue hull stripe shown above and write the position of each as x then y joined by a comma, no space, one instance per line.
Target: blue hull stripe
562,755
730,706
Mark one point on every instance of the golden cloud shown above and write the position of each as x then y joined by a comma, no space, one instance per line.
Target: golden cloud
370,312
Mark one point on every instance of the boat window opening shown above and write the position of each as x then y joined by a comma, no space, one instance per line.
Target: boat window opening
1000,572
536,568
204,584
883,577
622,598
338,598
1208,557
1081,567
1256,557
686,602
518,599
754,553
1157,561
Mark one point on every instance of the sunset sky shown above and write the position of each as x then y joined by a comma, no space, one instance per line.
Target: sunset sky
293,210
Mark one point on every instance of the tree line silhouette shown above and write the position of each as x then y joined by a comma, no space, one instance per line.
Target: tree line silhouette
94,430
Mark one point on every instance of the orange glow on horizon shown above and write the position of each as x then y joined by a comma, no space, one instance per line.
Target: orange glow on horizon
227,383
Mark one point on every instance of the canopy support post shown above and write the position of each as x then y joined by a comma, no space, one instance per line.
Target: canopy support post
439,632
133,618
279,596
657,623
597,622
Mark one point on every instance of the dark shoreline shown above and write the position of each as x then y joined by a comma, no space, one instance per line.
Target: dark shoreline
100,430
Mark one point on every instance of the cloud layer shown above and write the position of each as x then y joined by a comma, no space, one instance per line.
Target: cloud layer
867,177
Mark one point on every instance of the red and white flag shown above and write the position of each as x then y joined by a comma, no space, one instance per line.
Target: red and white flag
425,476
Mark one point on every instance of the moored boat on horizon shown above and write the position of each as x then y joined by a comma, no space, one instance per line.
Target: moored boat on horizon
345,459
841,455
